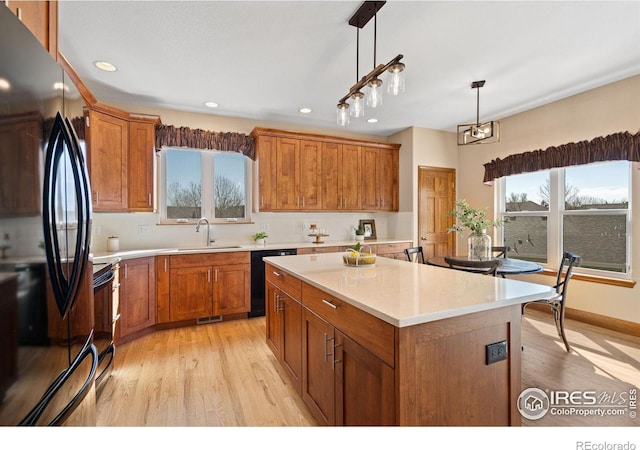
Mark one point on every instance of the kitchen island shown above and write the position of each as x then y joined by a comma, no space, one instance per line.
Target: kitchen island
397,343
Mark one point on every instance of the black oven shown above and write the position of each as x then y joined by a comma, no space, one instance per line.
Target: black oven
106,283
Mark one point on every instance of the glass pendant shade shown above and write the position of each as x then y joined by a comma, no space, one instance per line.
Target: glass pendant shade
343,114
374,96
357,104
395,81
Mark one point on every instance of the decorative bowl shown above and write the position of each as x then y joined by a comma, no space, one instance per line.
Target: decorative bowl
359,259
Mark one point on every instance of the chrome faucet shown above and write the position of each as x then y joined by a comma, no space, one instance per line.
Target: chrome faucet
204,219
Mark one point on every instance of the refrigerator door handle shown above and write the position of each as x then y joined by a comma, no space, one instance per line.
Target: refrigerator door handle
88,350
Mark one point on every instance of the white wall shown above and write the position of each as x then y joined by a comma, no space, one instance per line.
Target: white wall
610,109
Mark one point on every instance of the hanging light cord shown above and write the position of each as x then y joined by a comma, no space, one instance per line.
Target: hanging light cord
478,107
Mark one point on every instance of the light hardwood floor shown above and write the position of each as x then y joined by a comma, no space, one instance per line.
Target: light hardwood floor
223,374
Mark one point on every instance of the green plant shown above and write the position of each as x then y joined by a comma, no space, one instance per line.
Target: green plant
359,231
259,235
471,218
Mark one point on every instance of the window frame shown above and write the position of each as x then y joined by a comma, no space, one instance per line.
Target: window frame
555,220
207,166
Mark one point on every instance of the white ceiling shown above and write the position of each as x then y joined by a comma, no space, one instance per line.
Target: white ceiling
264,60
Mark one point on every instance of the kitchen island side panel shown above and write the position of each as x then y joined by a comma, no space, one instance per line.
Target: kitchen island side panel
442,378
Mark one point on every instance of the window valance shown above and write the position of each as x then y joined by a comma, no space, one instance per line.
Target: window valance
170,136
614,147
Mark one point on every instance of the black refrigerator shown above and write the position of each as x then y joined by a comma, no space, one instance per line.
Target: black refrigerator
45,218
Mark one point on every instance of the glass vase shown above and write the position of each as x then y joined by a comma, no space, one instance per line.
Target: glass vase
479,246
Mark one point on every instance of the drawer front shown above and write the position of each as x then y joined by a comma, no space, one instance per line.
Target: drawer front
281,279
312,250
392,248
372,333
210,259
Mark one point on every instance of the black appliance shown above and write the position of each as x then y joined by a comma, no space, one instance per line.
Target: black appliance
44,197
106,284
258,278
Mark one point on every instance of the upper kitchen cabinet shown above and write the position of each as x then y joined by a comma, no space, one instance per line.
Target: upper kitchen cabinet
41,18
379,179
308,172
121,161
142,136
20,159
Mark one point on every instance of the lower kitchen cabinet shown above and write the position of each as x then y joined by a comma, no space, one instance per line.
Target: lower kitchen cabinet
343,383
284,331
203,285
137,295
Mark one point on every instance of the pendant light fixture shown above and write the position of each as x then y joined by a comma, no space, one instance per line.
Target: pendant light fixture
371,81
357,98
478,133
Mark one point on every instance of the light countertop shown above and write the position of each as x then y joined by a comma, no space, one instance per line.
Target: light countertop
100,257
403,293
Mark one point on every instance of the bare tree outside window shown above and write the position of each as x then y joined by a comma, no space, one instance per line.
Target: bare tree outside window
184,201
229,198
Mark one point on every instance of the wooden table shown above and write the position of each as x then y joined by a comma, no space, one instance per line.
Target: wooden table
508,266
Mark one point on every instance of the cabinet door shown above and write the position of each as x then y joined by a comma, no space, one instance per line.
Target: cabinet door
108,161
19,181
288,169
265,200
388,180
137,295
291,355
350,184
317,369
162,289
41,18
273,319
310,184
364,387
141,165
369,176
331,195
191,293
232,289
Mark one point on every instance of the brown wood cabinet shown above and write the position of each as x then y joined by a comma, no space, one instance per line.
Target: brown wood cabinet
137,295
343,382
340,176
108,155
19,181
394,250
121,161
379,179
360,370
284,314
323,249
203,285
41,18
307,172
8,332
141,159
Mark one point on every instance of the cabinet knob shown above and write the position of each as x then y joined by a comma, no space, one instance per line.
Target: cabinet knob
423,238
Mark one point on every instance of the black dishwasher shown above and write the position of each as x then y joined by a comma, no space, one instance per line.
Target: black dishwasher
258,279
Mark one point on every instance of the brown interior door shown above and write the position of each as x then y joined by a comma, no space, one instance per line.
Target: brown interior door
436,197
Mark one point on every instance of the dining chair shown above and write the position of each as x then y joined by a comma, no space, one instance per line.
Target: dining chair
500,252
485,267
557,302
415,254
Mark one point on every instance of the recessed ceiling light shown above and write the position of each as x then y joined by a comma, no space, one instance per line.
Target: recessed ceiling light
107,67
305,110
372,120
4,84
211,104
60,86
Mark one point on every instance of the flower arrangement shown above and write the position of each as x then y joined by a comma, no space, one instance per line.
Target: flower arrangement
471,218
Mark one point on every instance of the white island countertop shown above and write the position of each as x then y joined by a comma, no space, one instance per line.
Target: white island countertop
403,293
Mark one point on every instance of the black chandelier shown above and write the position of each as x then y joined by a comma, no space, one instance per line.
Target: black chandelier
353,103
